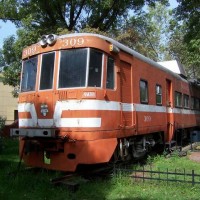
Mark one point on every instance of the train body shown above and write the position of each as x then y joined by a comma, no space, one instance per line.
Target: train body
87,99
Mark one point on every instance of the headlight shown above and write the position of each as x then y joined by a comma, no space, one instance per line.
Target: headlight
48,39
43,41
44,109
51,39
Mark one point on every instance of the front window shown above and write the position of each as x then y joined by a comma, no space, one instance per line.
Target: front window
72,68
95,68
29,74
80,68
47,69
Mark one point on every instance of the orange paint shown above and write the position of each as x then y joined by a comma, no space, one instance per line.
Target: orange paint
89,120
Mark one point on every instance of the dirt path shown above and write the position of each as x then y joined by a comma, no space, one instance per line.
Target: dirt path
195,156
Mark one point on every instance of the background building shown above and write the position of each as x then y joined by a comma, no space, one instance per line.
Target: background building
8,104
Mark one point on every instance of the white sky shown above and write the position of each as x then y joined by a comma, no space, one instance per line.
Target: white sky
7,29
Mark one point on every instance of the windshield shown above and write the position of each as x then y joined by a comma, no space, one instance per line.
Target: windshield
80,68
29,74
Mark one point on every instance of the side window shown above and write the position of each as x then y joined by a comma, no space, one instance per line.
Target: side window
192,105
197,102
143,91
178,99
186,101
95,68
158,95
47,69
110,79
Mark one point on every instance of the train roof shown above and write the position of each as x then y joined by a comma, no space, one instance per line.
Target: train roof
130,51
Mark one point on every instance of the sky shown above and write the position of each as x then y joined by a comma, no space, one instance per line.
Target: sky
7,28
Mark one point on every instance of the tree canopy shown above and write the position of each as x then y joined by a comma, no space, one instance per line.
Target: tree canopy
189,12
154,31
72,14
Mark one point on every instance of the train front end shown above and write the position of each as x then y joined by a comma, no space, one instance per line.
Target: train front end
66,95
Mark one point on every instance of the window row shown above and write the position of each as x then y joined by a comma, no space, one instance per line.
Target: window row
144,93
77,68
181,100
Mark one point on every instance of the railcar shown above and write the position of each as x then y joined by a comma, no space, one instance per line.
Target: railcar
87,99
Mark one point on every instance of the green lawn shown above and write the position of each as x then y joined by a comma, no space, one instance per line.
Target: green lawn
36,185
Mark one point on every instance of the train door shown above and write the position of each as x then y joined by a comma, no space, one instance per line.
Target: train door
126,93
169,110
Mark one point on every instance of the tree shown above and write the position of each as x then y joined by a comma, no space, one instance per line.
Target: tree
12,64
187,52
72,14
148,33
189,12
38,17
186,35
2,61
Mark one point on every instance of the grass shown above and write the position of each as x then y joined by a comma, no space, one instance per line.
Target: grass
35,184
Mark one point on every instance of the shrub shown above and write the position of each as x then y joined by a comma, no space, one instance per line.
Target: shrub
2,124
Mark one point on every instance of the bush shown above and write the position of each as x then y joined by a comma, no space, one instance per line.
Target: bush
2,124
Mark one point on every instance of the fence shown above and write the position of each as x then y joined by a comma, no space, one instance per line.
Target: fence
168,176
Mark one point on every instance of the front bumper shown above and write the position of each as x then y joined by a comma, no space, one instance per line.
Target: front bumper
47,133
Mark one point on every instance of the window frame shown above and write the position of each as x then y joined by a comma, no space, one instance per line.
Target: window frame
186,97
36,74
146,91
192,103
196,103
110,57
87,69
41,70
177,105
159,94
86,72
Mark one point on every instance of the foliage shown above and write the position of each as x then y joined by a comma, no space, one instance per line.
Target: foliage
12,63
188,11
188,27
149,32
2,61
2,122
72,15
187,53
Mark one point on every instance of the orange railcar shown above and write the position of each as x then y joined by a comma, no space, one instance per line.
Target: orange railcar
87,99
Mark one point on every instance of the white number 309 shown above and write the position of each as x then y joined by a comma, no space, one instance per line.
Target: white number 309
147,118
